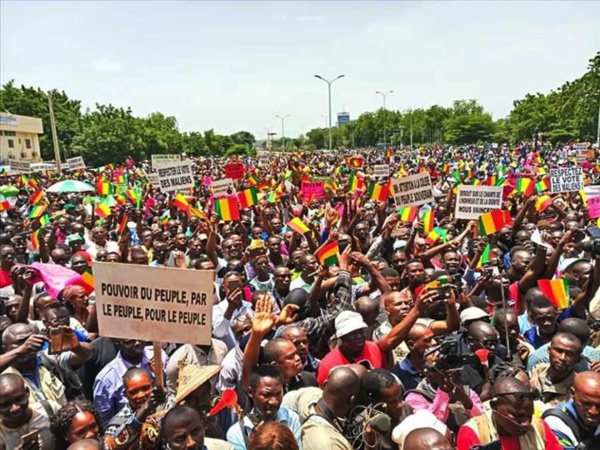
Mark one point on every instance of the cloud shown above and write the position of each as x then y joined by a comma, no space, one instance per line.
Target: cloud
105,65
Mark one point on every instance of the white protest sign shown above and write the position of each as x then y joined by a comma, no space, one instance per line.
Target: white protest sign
381,170
76,163
264,158
473,201
569,179
153,179
581,146
413,190
223,187
162,160
154,303
19,166
175,176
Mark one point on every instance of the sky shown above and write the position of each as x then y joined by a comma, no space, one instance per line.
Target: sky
233,66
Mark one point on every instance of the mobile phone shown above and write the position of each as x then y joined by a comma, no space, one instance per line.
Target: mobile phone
443,288
29,438
233,285
56,341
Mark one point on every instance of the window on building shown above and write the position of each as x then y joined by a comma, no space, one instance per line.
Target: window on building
9,133
28,143
11,143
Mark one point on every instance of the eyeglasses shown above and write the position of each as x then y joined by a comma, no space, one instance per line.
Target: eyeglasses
487,342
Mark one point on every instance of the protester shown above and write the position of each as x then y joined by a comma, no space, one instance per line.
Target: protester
317,271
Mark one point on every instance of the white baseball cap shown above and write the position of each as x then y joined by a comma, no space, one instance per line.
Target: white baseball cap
348,321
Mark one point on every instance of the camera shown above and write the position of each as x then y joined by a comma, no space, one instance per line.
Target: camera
592,247
450,357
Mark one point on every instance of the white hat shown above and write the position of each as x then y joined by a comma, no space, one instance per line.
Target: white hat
568,262
473,313
348,321
419,419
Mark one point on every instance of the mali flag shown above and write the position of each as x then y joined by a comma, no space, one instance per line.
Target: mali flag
248,197
492,221
378,192
227,208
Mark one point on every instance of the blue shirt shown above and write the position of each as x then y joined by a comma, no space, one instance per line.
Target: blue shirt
284,416
533,337
109,396
541,355
409,376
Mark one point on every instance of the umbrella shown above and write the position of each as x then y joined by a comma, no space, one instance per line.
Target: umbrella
71,186
9,191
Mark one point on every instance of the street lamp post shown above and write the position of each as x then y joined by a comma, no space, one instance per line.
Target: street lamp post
329,83
383,94
282,129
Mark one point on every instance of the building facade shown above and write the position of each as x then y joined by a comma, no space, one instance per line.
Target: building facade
343,118
19,137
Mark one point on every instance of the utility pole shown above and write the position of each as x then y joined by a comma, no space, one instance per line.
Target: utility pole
383,94
282,129
411,131
329,82
54,135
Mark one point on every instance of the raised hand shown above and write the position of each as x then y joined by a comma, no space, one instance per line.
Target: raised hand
264,320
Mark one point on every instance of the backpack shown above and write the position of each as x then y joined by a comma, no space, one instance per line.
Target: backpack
70,380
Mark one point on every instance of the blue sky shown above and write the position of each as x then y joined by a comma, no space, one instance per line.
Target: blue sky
233,66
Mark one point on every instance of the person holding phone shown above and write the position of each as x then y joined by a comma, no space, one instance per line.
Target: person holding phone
23,426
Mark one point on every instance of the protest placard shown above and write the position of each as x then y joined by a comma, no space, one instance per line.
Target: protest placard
153,179
19,166
581,146
413,190
76,163
162,160
381,170
235,171
223,187
473,201
176,176
569,179
264,158
592,195
313,188
154,303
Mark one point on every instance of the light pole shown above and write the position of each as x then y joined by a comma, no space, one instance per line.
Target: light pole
329,82
282,129
383,94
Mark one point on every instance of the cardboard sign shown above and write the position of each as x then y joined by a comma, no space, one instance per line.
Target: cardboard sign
154,303
76,163
316,188
264,158
162,160
413,190
473,201
223,187
566,180
19,166
381,170
153,179
581,146
592,195
235,171
175,176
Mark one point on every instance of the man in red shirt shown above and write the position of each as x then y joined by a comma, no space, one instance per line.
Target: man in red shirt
349,329
510,421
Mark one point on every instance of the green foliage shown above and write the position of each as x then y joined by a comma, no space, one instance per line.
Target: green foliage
569,112
109,133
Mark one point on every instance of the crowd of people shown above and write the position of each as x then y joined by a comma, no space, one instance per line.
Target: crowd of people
340,320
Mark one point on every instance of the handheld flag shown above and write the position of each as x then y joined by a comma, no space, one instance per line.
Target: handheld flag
227,208
557,291
298,226
328,254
